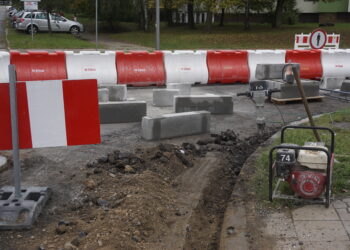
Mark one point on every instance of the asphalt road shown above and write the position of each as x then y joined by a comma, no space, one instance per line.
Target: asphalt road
2,27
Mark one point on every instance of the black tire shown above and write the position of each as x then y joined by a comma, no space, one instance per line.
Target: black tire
35,29
74,30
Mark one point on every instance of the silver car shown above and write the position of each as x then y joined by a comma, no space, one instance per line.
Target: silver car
58,23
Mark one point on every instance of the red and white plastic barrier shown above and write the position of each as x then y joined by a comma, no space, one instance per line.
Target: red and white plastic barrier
51,113
256,57
39,65
92,65
227,66
140,68
4,63
309,60
186,66
336,63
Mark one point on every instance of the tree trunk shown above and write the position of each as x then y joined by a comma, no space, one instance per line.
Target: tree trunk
145,14
276,22
49,21
209,20
247,18
190,15
222,17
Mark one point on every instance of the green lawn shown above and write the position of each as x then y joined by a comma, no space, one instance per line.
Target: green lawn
231,36
341,173
21,40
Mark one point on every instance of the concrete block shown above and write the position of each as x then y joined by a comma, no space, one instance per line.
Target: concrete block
103,95
164,97
215,104
332,82
175,125
184,88
274,84
117,93
345,87
272,71
122,112
311,88
3,162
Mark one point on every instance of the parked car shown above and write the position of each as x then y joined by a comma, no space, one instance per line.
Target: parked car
14,18
12,12
58,23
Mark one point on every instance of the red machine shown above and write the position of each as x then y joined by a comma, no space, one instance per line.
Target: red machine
307,169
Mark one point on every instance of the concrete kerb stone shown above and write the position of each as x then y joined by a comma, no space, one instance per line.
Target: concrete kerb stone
345,87
215,104
122,112
164,97
332,82
184,88
117,93
175,125
311,88
3,162
103,95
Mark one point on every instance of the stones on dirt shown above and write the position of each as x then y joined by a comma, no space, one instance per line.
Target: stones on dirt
182,157
61,227
129,169
230,230
90,184
166,147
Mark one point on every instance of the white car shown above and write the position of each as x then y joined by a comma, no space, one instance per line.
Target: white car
58,23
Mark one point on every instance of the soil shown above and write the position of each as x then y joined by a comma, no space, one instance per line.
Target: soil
163,197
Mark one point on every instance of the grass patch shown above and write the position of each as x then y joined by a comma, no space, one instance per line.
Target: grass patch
340,123
231,36
21,40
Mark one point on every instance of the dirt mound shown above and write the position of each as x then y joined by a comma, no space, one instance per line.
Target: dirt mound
153,198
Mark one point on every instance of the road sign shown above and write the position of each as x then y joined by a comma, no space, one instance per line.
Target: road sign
32,6
318,39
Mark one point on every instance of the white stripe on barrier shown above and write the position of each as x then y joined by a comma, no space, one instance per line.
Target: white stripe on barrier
4,63
336,63
264,56
186,66
45,100
92,65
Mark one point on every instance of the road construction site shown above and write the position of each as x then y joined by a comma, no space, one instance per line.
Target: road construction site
128,193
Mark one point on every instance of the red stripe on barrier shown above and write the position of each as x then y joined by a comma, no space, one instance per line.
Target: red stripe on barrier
337,39
309,60
39,65
5,118
228,66
81,112
140,68
305,38
330,39
25,140
297,39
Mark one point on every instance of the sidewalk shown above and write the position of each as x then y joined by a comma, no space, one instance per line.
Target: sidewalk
249,226
110,44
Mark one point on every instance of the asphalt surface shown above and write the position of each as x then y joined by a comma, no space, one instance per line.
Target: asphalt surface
2,27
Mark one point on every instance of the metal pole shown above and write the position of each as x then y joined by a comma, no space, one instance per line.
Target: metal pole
14,126
306,105
31,24
96,24
157,25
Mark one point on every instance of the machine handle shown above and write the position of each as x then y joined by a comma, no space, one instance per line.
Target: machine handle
310,128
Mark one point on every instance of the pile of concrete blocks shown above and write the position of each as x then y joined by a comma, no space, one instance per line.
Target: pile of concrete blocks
116,108
184,88
175,125
165,97
215,104
332,82
290,91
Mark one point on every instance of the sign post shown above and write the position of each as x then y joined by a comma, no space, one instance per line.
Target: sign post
31,5
14,126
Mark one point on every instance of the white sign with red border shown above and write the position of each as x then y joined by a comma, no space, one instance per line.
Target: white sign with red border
318,39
